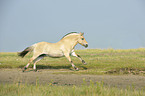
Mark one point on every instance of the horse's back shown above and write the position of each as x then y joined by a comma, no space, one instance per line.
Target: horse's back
41,45
51,49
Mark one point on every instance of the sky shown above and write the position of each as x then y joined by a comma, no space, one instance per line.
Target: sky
117,24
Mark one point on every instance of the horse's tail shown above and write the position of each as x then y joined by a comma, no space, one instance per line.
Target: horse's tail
27,50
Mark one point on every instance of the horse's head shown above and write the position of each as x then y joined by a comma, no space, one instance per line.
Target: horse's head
82,40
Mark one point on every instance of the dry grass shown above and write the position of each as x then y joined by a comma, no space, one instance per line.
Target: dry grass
98,89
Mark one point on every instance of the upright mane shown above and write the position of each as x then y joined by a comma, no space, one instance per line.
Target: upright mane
68,34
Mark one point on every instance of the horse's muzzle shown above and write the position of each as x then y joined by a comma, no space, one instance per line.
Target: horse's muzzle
86,45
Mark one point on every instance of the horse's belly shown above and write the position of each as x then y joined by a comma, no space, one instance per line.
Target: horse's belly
55,54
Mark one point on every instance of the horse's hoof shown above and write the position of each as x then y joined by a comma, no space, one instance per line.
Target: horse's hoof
24,69
77,69
84,62
35,70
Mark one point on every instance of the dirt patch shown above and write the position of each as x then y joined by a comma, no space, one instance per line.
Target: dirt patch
46,76
132,71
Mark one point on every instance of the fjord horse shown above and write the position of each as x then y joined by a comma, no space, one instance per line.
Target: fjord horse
64,47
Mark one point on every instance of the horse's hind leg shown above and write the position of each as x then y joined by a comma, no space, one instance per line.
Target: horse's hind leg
28,64
38,59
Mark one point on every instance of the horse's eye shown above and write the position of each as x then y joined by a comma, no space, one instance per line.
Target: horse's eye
82,38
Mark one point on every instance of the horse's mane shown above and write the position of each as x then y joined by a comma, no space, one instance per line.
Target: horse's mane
68,34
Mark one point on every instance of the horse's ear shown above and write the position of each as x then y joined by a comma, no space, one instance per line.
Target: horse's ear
81,33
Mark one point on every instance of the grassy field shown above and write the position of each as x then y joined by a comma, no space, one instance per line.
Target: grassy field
107,61
49,90
99,62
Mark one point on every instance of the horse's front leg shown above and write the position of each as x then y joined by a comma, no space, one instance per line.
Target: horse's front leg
78,56
68,57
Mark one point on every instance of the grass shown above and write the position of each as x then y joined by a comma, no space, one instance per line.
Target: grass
99,61
97,89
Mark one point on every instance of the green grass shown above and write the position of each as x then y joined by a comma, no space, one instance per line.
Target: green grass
97,89
99,61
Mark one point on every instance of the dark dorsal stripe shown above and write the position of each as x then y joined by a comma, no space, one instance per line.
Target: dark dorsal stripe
68,34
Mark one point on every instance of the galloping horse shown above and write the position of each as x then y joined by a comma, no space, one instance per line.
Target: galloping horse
64,47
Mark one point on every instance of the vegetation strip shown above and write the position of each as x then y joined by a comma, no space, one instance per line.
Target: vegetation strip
99,61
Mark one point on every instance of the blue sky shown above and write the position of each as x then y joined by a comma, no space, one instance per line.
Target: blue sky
118,24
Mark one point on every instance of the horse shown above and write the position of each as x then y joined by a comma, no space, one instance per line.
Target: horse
64,47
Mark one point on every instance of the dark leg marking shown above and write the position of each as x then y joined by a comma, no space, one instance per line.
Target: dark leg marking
74,66
24,69
83,61
78,55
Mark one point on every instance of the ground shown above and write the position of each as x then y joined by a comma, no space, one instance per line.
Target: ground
49,76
